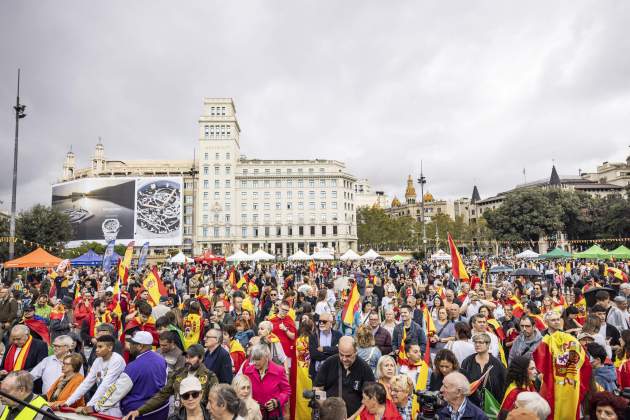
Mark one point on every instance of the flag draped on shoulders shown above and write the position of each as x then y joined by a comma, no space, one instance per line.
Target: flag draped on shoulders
458,267
566,374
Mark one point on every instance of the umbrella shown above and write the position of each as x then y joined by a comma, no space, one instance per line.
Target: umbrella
501,269
525,272
589,295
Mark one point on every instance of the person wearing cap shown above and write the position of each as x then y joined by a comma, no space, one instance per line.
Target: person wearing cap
190,394
194,367
585,339
140,380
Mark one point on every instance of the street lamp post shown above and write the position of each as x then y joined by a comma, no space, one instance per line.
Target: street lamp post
422,180
19,114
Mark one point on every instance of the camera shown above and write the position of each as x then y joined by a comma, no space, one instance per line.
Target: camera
313,402
429,402
309,394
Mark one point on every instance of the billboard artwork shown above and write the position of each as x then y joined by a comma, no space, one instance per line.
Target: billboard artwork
158,216
122,209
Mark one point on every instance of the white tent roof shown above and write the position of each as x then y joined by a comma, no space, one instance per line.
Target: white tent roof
180,258
350,255
527,254
441,256
299,256
370,255
322,256
261,255
239,255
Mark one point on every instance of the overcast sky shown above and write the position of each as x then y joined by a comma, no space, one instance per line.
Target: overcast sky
477,90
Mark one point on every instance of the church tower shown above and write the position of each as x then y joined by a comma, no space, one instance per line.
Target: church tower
98,160
69,165
410,192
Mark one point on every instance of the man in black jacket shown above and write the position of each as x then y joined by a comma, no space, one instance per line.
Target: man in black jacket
323,343
382,337
409,329
21,341
217,359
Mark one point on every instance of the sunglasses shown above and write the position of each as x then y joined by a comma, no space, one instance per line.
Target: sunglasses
190,395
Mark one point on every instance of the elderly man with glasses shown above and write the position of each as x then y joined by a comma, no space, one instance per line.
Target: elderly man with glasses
217,359
322,343
49,369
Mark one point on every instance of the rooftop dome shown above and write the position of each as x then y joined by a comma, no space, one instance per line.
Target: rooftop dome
395,202
428,197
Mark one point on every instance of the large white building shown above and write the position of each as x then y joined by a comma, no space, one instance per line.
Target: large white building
233,202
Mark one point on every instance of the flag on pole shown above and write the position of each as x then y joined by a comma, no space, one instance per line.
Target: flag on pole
243,281
351,306
125,265
311,266
490,405
143,256
566,372
108,256
429,327
154,285
232,278
402,353
458,267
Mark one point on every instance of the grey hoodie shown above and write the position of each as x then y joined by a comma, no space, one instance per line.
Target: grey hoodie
522,347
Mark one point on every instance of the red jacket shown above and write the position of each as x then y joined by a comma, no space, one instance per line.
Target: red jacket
391,413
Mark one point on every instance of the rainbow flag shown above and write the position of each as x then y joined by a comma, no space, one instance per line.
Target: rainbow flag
566,374
459,269
351,306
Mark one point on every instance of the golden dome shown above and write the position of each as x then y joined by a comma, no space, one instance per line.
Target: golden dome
428,197
410,192
395,202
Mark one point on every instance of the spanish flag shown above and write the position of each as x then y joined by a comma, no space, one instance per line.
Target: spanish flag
402,353
618,274
429,327
351,306
459,269
311,266
232,278
242,282
153,284
566,374
125,265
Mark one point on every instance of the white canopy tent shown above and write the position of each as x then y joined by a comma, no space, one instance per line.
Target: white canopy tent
370,255
299,256
527,254
239,255
350,255
440,256
261,255
319,255
180,258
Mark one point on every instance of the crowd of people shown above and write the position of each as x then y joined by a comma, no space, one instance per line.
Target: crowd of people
359,340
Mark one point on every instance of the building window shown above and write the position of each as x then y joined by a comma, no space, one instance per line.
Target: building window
227,156
278,183
333,182
255,183
211,110
227,218
216,156
216,170
227,232
205,183
243,206
205,170
206,156
243,184
278,195
228,184
278,231
289,230
323,230
205,232
244,171
300,183
322,205
255,232
267,217
311,195
289,171
205,206
244,217
300,205
266,231
222,110
334,230
322,183
205,219
289,183
301,230
205,195
244,195
267,195
228,195
267,207
312,230
311,182
206,130
254,206
216,232
278,205
333,194
322,195
255,195
311,205
244,232
228,169
300,194
289,206
311,170
216,195
216,183
255,171
266,183
333,205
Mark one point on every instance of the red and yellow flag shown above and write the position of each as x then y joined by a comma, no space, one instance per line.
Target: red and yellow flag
566,374
232,278
125,265
402,353
311,266
429,327
459,269
242,282
154,285
351,306
618,274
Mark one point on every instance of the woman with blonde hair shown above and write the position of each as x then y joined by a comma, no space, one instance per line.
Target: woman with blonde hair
243,387
367,349
402,395
385,371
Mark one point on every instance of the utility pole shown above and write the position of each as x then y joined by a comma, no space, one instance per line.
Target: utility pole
422,180
19,114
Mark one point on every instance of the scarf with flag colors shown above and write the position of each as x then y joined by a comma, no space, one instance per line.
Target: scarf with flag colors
511,393
352,305
421,384
459,269
154,285
566,373
124,267
13,363
38,325
237,353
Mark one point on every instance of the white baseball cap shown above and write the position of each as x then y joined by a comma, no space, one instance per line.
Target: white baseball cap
189,383
142,337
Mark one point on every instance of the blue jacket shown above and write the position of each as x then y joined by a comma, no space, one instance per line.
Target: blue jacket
606,376
220,362
470,412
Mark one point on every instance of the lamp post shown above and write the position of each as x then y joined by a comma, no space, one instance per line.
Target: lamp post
19,114
422,180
